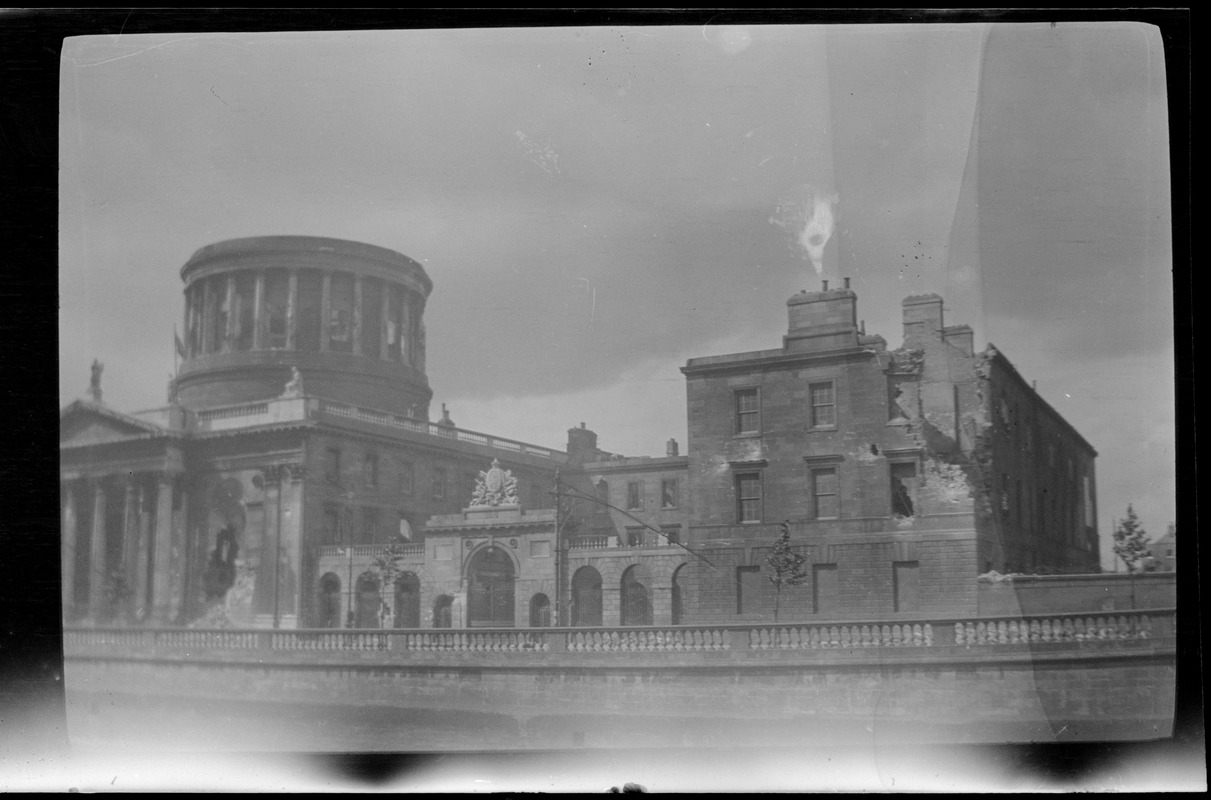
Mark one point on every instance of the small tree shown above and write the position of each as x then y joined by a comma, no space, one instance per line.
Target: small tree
786,566
1131,541
388,566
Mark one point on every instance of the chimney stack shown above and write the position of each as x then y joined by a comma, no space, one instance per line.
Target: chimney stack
847,283
822,321
922,318
582,444
670,447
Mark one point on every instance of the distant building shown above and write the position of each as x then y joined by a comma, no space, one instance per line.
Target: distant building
299,427
1163,552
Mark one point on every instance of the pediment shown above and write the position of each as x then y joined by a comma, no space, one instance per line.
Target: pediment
87,423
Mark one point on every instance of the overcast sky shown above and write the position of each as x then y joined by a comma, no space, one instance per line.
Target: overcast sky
595,206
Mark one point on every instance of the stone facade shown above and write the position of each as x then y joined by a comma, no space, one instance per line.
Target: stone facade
286,462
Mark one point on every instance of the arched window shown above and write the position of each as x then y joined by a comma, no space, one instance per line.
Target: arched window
407,601
636,598
330,601
540,611
675,594
586,597
442,612
369,601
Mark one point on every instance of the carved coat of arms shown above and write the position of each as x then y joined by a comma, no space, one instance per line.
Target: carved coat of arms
495,487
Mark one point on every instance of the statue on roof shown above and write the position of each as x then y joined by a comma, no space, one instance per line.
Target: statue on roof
94,383
294,387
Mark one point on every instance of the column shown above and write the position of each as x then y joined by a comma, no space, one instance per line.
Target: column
325,310
405,329
145,549
130,541
96,560
357,314
68,551
232,316
289,575
292,310
258,312
162,552
204,322
384,320
262,597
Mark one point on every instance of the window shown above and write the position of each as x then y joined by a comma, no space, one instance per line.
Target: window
332,525
277,292
332,465
406,475
905,576
340,314
824,588
824,493
603,492
634,537
634,495
748,411
748,589
824,405
370,470
668,493
748,497
903,488
370,525
439,483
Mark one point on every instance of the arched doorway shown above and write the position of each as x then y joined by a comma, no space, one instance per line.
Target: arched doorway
490,578
540,611
369,601
636,599
442,608
330,601
586,597
675,594
407,601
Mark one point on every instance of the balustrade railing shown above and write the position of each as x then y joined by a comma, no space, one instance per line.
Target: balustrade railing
647,640
842,636
369,551
1065,628
816,637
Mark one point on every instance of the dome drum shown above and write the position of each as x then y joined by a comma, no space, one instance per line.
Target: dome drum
348,316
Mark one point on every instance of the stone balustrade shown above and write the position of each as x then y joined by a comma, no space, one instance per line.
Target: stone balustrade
966,633
369,551
1060,628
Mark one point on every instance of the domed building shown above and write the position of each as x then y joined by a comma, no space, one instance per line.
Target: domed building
298,423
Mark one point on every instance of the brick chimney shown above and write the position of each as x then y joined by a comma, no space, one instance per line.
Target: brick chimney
582,444
922,318
960,336
822,321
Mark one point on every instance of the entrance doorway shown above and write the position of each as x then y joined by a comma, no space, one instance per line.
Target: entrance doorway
490,578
